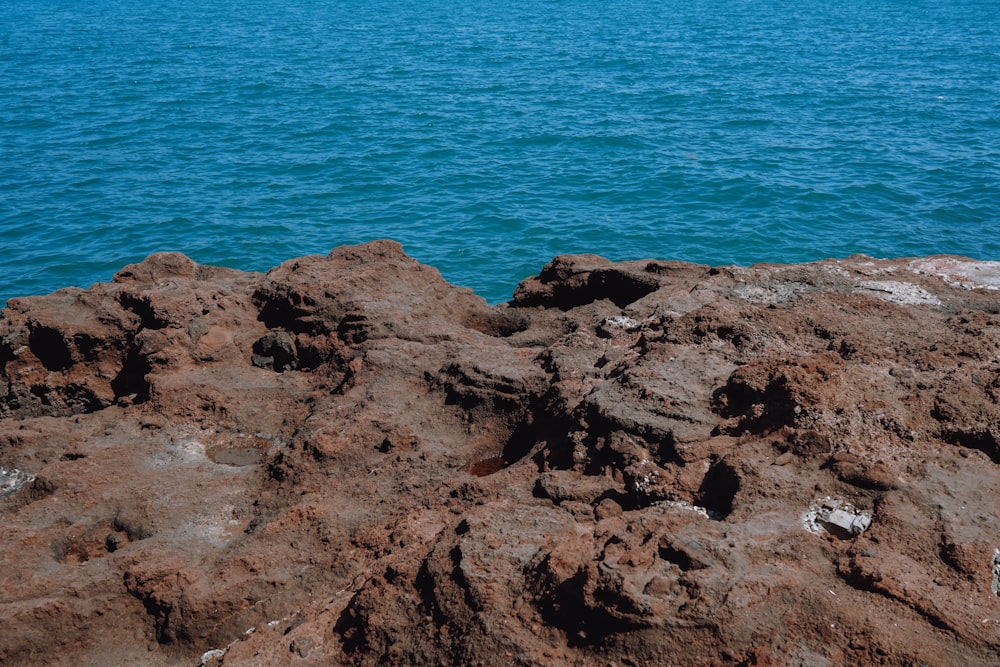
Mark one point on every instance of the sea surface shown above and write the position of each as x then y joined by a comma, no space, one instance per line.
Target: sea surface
488,136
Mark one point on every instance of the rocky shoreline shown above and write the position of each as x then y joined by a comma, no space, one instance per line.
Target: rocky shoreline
348,460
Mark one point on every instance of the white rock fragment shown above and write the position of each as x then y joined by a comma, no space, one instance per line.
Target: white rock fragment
855,524
615,326
13,480
837,517
897,292
218,653
208,656
996,573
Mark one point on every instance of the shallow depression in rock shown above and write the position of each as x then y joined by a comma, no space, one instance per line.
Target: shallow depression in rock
235,456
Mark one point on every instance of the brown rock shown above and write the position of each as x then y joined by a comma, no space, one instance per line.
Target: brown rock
349,461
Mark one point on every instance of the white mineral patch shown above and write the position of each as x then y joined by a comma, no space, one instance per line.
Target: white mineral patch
180,452
187,449
755,294
774,293
837,271
704,511
217,526
13,480
621,321
897,292
966,274
193,450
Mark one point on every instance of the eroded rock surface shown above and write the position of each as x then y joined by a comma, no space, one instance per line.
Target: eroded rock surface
349,461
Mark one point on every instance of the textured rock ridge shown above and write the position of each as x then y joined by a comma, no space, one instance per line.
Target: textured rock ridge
347,460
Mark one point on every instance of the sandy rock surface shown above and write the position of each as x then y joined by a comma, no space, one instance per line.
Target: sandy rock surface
350,461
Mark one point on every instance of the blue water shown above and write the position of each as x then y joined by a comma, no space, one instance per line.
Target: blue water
489,136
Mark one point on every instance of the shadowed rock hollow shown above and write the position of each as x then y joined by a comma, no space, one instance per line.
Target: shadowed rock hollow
349,461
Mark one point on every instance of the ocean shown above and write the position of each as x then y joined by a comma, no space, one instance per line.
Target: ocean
489,136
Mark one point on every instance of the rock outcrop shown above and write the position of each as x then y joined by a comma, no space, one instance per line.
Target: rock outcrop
350,461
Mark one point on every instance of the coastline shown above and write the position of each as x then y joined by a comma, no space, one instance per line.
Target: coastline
646,460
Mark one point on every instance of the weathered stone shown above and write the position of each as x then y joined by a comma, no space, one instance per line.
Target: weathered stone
350,461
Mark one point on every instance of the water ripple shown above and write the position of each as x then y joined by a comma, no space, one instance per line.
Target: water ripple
488,138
